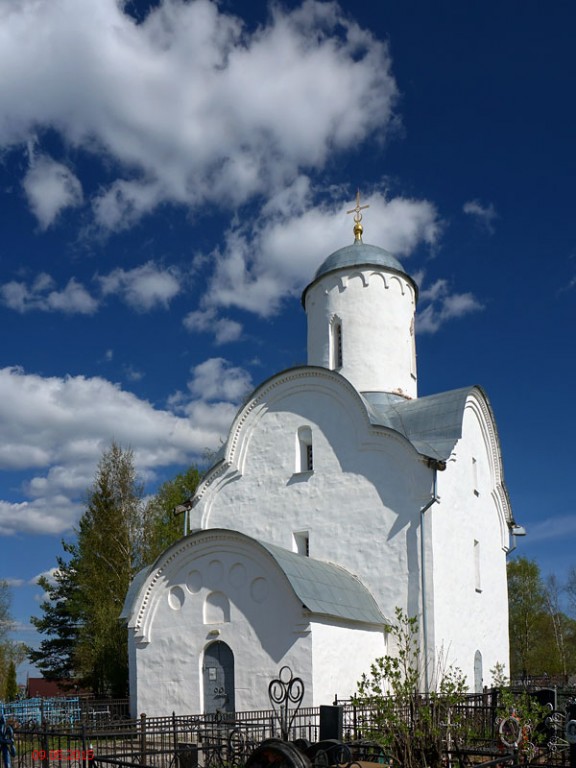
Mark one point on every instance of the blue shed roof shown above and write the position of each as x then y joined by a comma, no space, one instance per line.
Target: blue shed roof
326,589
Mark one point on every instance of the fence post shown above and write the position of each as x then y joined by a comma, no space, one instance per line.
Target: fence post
44,743
494,709
143,738
84,744
571,731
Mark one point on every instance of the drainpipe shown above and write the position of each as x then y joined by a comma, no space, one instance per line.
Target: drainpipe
435,465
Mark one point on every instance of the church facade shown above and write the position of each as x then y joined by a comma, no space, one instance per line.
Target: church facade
338,496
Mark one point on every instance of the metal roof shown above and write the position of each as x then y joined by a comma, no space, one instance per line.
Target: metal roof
326,589
358,254
433,424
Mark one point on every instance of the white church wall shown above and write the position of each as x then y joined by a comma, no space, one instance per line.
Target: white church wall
376,311
469,542
342,653
361,503
225,592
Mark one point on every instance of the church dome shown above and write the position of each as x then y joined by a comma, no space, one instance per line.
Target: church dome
358,254
360,308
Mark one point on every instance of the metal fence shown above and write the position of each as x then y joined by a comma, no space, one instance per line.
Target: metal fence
63,710
469,736
155,741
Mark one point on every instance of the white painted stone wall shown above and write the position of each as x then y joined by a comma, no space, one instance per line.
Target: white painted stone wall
361,508
172,626
376,308
470,585
360,505
341,655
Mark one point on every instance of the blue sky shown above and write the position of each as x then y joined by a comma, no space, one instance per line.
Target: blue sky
171,175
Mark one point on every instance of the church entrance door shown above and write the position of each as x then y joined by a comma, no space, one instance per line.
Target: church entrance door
218,678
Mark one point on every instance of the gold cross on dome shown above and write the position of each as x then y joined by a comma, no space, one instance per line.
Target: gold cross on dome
358,228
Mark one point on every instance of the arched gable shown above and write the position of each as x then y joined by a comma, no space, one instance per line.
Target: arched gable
294,381
478,407
219,568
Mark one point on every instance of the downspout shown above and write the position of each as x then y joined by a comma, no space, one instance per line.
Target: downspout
436,465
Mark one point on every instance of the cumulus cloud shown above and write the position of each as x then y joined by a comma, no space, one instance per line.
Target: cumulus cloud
264,262
49,575
224,329
171,102
41,295
216,379
142,288
55,429
441,305
485,215
50,187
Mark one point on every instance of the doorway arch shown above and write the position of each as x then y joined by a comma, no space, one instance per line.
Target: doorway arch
218,678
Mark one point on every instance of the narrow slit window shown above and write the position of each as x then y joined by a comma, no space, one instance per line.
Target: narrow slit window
304,451
302,543
475,476
336,343
477,575
309,458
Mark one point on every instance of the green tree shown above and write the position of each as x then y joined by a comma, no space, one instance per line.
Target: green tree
571,590
405,723
552,592
5,617
11,688
11,653
161,526
527,624
62,616
117,535
109,553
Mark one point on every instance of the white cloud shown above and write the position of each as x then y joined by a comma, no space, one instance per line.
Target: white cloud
264,262
142,288
440,306
485,215
560,527
216,379
55,429
224,329
187,106
14,582
40,296
49,575
50,187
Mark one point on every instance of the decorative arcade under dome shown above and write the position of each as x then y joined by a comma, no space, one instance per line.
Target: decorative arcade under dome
360,308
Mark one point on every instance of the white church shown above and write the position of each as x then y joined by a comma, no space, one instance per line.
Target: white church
338,496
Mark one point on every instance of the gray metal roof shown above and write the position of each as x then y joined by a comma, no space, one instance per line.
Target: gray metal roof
356,255
326,589
433,424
